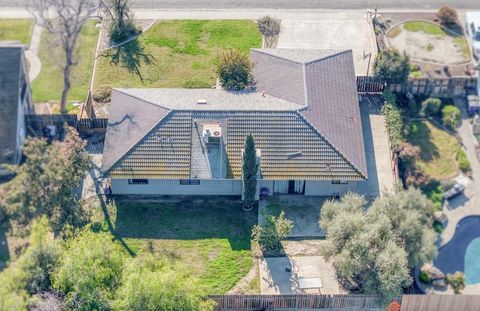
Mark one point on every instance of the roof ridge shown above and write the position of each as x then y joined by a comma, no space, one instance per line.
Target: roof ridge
136,97
276,56
333,146
328,56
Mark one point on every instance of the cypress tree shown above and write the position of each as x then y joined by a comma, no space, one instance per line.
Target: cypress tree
249,171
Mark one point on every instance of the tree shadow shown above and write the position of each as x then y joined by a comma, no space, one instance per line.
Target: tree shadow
420,135
187,218
130,55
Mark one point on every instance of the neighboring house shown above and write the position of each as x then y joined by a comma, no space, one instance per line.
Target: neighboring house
304,116
15,101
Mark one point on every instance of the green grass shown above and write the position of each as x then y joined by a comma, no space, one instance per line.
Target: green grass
462,44
185,53
438,149
394,32
425,27
429,47
49,84
208,239
16,29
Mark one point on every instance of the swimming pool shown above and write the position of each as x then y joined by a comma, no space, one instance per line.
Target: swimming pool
462,252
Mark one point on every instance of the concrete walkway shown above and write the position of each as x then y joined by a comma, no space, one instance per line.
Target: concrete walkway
34,63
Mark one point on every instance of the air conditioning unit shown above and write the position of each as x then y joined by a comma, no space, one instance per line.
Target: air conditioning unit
212,133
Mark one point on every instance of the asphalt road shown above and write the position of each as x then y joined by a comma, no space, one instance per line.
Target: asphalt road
288,4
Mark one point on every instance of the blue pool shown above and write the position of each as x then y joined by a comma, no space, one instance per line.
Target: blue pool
462,252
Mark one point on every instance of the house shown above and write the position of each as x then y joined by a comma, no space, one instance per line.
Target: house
304,116
15,101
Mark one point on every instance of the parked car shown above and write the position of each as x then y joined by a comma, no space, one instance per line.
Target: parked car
454,191
472,28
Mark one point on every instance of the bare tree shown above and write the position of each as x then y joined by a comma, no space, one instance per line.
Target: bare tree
65,18
270,29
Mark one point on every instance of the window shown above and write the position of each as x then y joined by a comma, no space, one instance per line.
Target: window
339,182
138,181
184,182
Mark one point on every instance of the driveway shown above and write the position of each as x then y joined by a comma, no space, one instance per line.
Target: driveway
342,31
307,275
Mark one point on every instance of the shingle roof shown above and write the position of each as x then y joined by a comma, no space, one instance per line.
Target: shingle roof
306,103
327,86
11,56
216,100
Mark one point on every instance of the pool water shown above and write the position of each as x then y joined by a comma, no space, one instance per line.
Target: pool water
472,262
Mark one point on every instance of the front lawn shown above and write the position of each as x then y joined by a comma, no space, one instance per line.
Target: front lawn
16,30
438,149
208,238
185,53
49,84
425,27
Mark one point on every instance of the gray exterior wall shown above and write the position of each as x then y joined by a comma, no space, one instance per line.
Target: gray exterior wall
173,187
226,187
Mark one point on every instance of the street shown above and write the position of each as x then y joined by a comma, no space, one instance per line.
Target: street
289,4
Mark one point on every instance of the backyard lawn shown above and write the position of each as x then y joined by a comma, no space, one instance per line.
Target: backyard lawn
185,53
16,29
207,238
49,84
438,149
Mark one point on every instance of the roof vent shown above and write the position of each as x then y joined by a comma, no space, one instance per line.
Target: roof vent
295,155
201,102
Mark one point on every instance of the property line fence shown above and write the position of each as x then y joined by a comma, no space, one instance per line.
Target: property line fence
437,87
367,84
297,302
36,123
440,302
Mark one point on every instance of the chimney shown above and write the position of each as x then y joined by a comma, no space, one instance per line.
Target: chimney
201,102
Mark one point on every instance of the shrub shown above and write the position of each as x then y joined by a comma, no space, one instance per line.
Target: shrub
447,15
451,116
457,281
235,70
391,66
462,160
438,227
393,120
430,106
425,277
270,28
102,94
274,229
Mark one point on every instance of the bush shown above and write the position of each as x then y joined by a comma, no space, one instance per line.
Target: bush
438,227
274,229
457,281
447,15
430,106
451,116
235,70
391,66
103,94
462,160
393,120
425,277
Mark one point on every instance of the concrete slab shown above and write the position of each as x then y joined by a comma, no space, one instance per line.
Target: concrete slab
274,279
333,31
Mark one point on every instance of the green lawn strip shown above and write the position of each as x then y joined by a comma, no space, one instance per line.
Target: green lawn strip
185,53
426,27
438,149
209,240
49,84
16,30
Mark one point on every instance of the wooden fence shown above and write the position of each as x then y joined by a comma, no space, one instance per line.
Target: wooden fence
296,302
36,123
366,84
440,303
445,87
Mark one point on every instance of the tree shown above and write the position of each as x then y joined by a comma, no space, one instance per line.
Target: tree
235,70
249,171
46,183
451,116
67,22
394,123
89,271
430,106
122,26
447,15
373,250
150,284
391,66
270,29
274,230
456,281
